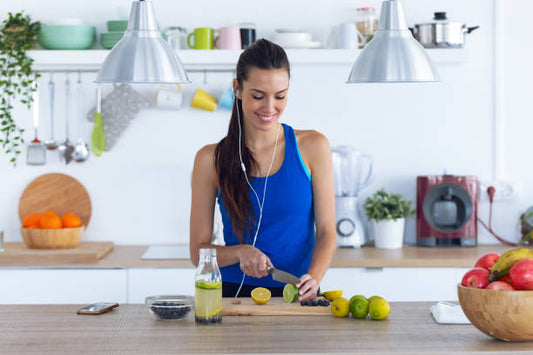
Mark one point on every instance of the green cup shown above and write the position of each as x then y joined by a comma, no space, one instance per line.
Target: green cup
203,38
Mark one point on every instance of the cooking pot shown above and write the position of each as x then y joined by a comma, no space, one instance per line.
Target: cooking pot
441,33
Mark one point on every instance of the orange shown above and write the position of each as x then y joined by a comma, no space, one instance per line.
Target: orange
50,213
71,220
50,222
31,219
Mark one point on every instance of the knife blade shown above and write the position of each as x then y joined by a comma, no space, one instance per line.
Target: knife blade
283,276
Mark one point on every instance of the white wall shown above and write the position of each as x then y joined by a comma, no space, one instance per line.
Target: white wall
140,189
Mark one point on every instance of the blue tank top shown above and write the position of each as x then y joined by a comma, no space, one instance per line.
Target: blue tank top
286,234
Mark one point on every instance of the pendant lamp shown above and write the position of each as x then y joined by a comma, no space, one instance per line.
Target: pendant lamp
142,56
393,55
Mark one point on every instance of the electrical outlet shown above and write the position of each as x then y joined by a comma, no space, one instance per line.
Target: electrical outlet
505,190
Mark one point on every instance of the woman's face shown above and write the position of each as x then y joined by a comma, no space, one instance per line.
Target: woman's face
264,97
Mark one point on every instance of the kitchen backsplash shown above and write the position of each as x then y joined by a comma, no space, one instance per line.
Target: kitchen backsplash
140,190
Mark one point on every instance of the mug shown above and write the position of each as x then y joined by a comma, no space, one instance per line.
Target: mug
203,101
169,98
247,34
348,37
228,38
227,98
203,38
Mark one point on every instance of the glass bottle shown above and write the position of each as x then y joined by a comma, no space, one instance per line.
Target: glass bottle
208,288
367,23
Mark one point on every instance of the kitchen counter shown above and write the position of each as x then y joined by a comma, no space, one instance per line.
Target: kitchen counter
129,256
130,328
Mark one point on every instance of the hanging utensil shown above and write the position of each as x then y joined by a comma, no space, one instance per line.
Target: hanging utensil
97,137
36,154
66,149
51,144
81,149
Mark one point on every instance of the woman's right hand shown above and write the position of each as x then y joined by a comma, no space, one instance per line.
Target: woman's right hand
253,262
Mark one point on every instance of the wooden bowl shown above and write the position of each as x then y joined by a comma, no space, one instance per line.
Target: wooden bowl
63,238
505,315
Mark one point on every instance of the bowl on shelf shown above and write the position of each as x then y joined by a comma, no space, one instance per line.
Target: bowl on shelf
109,39
170,308
117,25
62,238
67,36
504,315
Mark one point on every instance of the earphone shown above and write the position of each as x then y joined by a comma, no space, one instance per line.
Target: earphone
243,168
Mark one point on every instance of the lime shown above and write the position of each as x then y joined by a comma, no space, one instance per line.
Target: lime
340,307
356,296
208,285
359,308
379,309
261,295
290,293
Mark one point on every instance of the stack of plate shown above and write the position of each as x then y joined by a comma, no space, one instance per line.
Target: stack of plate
116,31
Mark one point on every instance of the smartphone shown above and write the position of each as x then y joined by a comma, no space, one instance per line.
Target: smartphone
98,308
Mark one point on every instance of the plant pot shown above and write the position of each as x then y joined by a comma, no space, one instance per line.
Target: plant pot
388,234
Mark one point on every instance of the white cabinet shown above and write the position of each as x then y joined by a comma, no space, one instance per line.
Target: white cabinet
145,282
32,286
396,284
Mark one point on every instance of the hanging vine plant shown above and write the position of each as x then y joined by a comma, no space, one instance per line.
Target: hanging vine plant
17,79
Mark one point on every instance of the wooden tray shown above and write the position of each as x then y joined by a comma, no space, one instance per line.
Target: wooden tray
58,192
17,253
275,307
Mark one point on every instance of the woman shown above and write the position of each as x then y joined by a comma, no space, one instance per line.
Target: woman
274,186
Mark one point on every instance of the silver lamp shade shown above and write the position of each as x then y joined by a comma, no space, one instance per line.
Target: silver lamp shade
142,56
393,55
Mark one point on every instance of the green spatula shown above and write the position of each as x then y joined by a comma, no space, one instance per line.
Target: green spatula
97,137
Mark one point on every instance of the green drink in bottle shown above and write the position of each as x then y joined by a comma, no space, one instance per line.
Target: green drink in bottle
208,289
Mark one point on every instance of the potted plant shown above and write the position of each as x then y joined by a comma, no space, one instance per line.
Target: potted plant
387,213
18,81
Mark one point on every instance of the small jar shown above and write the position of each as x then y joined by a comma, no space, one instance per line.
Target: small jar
367,23
177,37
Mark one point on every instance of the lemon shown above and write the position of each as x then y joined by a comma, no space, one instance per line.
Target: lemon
370,299
340,307
379,309
359,308
331,295
261,295
356,296
290,293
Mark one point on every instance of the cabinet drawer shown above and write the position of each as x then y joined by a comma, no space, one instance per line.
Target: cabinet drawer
55,286
396,284
148,282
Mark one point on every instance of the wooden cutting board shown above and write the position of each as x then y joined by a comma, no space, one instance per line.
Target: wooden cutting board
275,307
58,192
17,253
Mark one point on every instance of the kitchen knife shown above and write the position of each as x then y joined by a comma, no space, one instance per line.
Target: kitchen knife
282,276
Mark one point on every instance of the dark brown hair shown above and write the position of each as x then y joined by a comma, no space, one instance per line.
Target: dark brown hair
263,54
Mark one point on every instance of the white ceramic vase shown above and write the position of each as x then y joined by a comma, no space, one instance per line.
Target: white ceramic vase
388,234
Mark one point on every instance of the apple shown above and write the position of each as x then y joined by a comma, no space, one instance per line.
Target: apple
521,274
500,285
487,260
477,277
506,278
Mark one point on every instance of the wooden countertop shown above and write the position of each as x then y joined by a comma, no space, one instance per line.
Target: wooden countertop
57,329
129,256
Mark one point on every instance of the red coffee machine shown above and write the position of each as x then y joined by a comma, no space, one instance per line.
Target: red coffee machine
446,210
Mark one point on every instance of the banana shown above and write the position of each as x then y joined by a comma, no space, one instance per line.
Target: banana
507,260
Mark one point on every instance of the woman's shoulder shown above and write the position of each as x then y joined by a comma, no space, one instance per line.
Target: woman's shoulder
311,140
205,156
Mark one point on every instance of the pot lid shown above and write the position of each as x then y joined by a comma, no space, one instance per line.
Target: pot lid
441,18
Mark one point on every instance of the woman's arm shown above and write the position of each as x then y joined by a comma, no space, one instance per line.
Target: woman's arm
204,189
316,153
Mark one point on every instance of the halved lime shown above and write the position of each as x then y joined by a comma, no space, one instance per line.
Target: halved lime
290,293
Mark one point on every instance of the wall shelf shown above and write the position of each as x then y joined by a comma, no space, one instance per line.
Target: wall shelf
217,60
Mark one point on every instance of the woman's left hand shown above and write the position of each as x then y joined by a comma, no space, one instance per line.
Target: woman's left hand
308,288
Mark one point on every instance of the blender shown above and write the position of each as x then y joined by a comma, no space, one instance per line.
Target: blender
352,171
